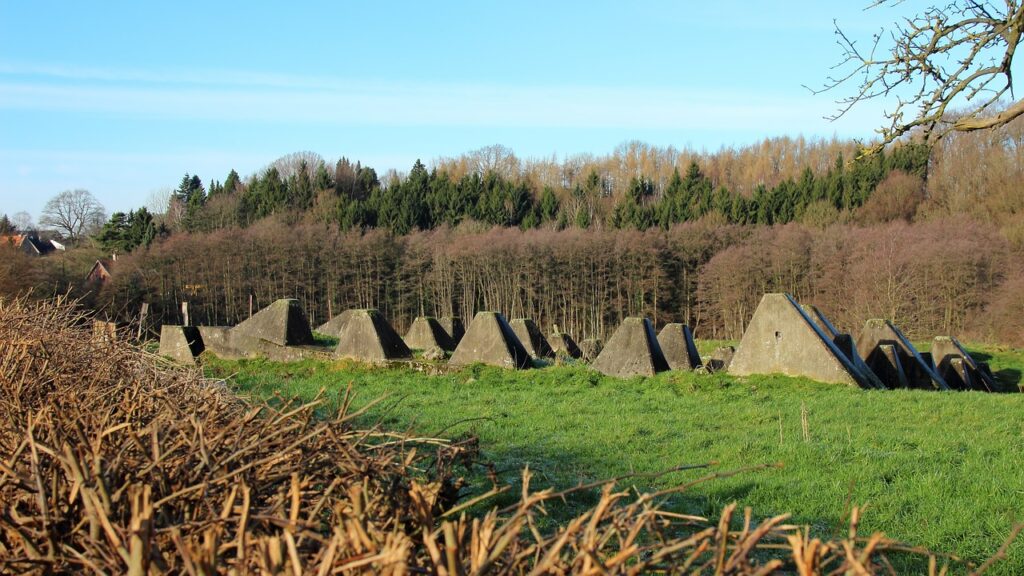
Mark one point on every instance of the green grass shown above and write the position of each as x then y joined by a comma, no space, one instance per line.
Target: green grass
941,470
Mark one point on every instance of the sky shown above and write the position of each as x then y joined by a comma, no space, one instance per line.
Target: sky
124,98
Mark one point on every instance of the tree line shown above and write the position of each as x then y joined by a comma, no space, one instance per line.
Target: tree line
585,241
947,276
354,197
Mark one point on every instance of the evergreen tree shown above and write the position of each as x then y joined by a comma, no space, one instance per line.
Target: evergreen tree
322,179
232,182
549,205
301,189
125,232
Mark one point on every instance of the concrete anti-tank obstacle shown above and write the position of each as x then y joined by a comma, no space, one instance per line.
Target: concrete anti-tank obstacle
844,342
217,339
182,344
455,329
782,339
490,340
335,325
848,347
947,348
820,320
633,350
590,349
957,374
532,338
563,345
282,323
366,336
885,362
426,333
224,342
677,344
919,372
720,359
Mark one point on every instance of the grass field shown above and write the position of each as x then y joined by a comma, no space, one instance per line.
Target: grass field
941,470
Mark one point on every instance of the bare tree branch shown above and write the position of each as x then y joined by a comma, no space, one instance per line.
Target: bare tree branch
950,56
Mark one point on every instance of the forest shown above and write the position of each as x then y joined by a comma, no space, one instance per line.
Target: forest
930,237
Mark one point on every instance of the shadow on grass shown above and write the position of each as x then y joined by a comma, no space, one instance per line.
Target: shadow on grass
1009,378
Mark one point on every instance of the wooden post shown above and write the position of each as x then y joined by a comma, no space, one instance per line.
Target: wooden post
142,319
184,314
250,304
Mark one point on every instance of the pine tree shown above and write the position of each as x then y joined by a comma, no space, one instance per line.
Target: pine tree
549,205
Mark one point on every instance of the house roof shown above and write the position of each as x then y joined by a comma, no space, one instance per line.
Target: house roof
100,270
34,244
12,239
29,243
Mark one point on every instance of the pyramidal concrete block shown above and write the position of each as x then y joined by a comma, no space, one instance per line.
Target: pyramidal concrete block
633,350
182,344
920,373
335,325
532,338
945,349
426,333
455,329
282,323
677,344
368,337
782,339
563,345
490,340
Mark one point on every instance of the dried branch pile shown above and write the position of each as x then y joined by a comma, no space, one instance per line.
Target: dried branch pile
111,462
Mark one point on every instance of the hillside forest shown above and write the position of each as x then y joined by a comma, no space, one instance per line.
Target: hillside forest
930,237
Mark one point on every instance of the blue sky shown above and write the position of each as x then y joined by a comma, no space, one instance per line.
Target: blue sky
123,98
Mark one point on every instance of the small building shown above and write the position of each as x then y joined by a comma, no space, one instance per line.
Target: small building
29,244
100,272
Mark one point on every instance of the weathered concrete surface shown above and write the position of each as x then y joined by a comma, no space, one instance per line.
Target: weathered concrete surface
945,349
955,372
217,339
532,338
282,323
563,345
919,372
720,359
334,326
676,342
180,343
490,340
455,329
822,321
426,333
782,339
633,350
368,337
885,363
224,342
590,349
848,347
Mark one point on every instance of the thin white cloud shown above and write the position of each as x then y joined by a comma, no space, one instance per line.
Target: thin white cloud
359,103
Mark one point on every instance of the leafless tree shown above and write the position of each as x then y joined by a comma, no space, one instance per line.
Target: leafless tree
289,164
950,56
497,158
74,213
23,221
158,201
